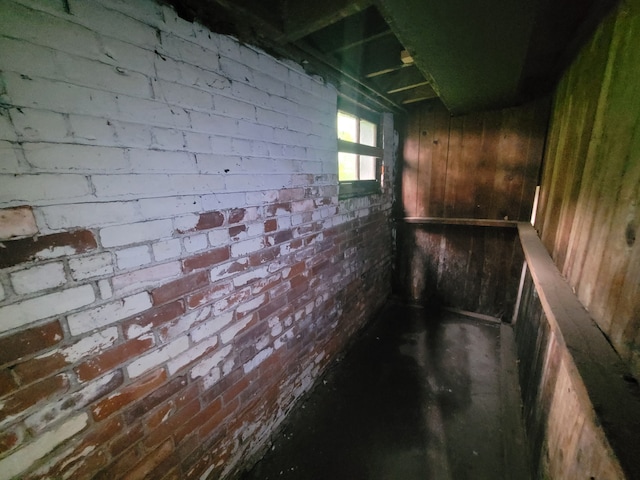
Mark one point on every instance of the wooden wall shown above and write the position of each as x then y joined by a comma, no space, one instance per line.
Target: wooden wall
481,165
589,213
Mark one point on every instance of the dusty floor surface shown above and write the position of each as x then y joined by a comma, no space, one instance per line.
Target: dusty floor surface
420,395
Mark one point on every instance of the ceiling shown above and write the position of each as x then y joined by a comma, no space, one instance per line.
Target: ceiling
390,54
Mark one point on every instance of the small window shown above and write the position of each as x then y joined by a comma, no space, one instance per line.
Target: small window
359,166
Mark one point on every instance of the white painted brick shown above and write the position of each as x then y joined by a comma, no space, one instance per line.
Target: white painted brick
219,163
92,266
58,96
151,112
2,294
183,95
243,279
246,247
27,58
211,378
132,134
40,125
92,130
20,460
131,57
88,346
186,223
271,118
135,233
106,291
228,335
59,217
211,327
38,27
206,365
224,270
167,139
32,310
269,84
235,70
249,93
183,324
257,360
57,410
213,124
39,277
235,183
149,276
195,243
190,355
197,142
167,249
101,76
188,52
107,314
102,20
162,161
133,257
84,158
33,189
222,200
234,108
251,304
157,357
188,184
269,66
169,206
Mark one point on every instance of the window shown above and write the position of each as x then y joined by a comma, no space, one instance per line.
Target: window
359,167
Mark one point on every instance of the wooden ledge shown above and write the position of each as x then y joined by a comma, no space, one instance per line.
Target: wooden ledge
474,222
615,400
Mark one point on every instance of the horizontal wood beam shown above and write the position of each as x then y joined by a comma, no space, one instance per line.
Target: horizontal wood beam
473,222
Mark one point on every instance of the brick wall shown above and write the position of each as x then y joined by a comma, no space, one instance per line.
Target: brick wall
175,266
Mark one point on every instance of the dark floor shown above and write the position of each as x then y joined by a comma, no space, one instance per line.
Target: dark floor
420,395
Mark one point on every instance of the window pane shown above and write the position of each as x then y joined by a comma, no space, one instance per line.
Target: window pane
347,167
367,168
347,127
367,133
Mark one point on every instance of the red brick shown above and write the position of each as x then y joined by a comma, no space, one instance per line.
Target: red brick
295,270
154,399
126,461
210,220
154,318
272,210
8,440
237,230
179,287
38,368
130,436
33,394
200,419
270,225
264,256
271,307
213,421
24,250
29,341
206,259
111,358
128,394
299,285
169,427
237,215
7,382
208,295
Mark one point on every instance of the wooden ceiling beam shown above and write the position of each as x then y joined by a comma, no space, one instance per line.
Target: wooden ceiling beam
303,18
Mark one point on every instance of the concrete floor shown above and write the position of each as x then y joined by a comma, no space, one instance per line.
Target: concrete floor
420,395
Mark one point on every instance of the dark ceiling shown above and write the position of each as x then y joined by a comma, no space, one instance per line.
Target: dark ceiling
387,54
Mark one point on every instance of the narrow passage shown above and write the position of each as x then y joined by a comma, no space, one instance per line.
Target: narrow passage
419,395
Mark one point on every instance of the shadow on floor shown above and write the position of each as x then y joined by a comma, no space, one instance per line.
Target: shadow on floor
420,395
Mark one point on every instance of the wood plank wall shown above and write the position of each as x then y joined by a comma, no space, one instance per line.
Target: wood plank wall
589,211
477,166
481,165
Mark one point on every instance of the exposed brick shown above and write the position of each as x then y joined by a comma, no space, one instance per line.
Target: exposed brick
205,260
179,287
130,436
29,341
237,215
128,394
17,222
8,440
38,368
7,382
271,307
154,399
88,320
145,277
236,231
29,396
209,294
113,357
46,246
153,318
145,468
270,225
209,220
169,427
264,256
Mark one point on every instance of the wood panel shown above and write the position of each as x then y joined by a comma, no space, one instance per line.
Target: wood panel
481,165
589,216
466,267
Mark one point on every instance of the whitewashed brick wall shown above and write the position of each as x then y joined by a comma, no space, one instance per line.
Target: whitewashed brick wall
176,268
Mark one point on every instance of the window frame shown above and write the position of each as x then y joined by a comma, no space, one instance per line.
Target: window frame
357,188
